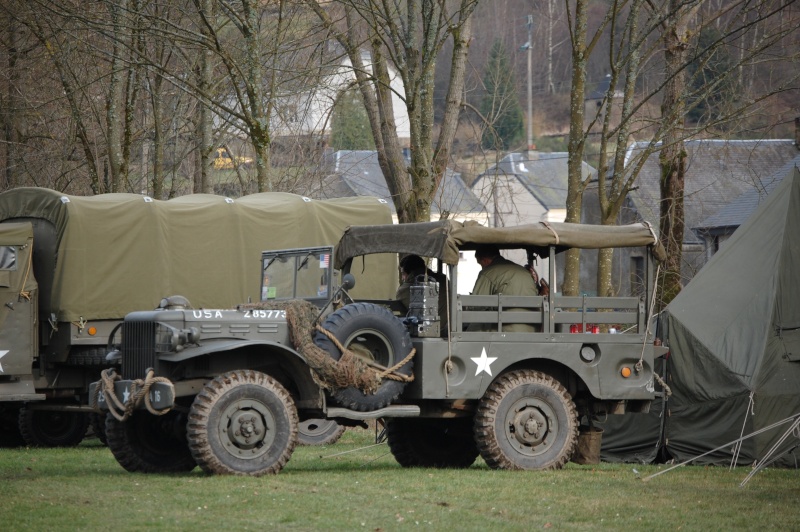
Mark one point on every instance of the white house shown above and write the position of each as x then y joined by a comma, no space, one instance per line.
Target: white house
309,113
526,188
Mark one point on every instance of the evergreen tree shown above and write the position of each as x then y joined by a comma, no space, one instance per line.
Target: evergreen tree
500,105
712,65
350,124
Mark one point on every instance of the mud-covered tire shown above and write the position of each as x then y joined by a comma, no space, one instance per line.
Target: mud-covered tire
526,420
98,424
375,330
440,443
52,428
319,432
10,435
145,443
242,423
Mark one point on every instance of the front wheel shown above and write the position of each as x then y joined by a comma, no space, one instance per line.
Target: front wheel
145,443
242,423
526,420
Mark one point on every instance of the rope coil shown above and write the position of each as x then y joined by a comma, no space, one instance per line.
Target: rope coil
140,392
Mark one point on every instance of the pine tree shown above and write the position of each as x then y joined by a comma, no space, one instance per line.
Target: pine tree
500,104
349,124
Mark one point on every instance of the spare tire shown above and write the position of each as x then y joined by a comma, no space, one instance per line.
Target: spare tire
372,332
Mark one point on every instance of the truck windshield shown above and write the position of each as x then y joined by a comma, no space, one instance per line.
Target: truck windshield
296,275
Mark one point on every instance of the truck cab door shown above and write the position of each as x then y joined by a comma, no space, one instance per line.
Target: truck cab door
18,305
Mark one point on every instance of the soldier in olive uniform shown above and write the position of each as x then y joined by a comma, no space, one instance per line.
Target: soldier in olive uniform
501,276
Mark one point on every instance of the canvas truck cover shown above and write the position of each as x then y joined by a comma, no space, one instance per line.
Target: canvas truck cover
117,253
17,305
444,239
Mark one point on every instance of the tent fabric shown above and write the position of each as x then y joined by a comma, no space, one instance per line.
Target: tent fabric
444,239
734,339
123,252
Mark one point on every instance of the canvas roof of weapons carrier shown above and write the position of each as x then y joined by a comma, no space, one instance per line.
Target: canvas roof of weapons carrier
444,239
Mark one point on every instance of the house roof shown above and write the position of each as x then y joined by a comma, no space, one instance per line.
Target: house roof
717,172
544,176
740,209
357,173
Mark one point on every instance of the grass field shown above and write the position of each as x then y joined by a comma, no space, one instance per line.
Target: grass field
328,488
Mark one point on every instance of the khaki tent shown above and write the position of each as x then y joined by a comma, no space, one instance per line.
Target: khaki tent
118,253
734,338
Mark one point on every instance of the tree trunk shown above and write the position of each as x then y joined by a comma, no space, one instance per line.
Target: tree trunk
10,125
570,286
673,156
114,96
205,146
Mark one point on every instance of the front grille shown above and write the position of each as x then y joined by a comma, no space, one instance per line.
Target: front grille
138,348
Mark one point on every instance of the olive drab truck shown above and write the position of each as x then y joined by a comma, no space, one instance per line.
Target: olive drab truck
225,389
72,267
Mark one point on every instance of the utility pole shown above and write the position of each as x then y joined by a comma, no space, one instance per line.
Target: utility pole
530,84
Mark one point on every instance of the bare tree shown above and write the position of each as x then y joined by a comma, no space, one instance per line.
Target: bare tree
637,35
407,37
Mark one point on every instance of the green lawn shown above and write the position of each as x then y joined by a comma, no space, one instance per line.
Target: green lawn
322,489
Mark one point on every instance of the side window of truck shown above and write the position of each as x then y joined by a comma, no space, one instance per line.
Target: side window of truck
8,258
8,263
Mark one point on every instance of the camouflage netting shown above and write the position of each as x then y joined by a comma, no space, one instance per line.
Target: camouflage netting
349,370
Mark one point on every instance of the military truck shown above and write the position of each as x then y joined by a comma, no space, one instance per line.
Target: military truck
83,263
225,389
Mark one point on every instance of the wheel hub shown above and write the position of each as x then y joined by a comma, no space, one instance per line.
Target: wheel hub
247,429
530,426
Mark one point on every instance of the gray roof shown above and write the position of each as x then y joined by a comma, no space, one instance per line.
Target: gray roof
544,175
717,172
357,173
735,213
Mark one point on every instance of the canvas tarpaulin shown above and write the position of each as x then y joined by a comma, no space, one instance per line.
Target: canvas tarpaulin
123,252
734,339
444,239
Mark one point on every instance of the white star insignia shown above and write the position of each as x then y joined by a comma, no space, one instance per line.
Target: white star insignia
126,395
2,354
484,363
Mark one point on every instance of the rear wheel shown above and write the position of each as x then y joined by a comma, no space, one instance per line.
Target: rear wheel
10,435
242,423
442,443
319,432
52,428
145,443
526,420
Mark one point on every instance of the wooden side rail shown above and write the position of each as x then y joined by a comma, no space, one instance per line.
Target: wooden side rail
599,310
627,312
500,309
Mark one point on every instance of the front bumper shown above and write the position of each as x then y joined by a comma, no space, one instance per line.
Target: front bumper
161,394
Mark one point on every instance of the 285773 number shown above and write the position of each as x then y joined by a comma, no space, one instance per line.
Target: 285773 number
262,313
